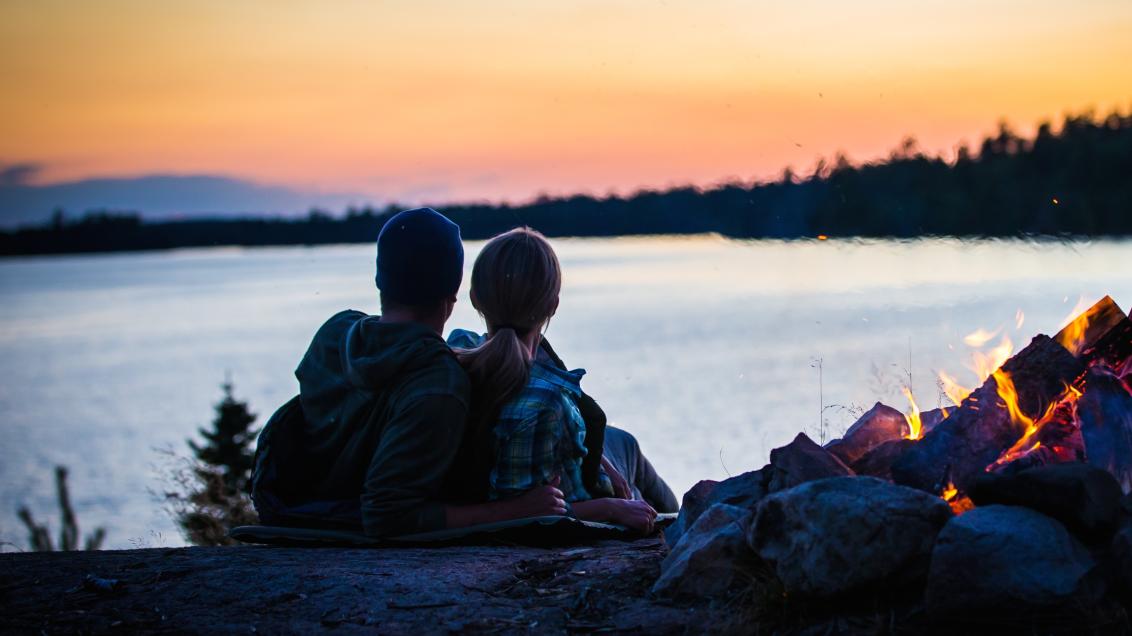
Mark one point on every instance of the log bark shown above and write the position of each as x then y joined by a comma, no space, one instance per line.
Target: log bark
1114,349
1105,413
1101,317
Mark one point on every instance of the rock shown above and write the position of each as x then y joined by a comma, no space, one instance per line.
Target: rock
1009,563
836,536
744,491
878,425
800,461
1085,499
706,561
1105,413
691,507
878,462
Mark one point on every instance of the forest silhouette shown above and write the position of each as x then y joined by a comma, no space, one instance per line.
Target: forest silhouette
1073,180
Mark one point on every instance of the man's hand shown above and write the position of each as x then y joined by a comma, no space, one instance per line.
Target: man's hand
539,502
621,488
636,515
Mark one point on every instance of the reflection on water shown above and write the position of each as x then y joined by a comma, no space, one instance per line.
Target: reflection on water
706,349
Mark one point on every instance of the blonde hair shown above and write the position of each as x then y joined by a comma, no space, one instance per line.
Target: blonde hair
515,284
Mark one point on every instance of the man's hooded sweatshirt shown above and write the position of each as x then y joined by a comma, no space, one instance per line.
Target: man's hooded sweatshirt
379,418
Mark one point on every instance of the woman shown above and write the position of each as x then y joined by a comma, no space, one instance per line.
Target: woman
527,411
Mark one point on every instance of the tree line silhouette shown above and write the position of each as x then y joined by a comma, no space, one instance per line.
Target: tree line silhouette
1075,180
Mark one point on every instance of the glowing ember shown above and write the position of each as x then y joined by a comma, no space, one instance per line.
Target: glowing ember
1019,318
959,504
915,426
949,492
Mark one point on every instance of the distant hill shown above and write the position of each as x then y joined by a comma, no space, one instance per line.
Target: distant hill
1075,180
160,197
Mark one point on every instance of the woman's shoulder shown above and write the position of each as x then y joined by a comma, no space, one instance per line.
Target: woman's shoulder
539,401
465,339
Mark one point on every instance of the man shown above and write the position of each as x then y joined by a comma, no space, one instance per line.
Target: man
382,406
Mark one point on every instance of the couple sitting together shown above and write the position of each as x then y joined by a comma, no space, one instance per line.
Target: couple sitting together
397,432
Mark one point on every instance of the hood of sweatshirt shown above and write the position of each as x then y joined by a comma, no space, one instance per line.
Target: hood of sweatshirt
355,357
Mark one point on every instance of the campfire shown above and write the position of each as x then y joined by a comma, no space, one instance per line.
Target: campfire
1061,399
1014,504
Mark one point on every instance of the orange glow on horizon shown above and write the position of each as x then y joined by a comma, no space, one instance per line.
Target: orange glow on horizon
446,101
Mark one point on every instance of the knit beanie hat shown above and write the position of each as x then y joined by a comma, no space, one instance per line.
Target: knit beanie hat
420,257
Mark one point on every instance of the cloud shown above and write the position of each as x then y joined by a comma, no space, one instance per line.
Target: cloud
15,174
156,197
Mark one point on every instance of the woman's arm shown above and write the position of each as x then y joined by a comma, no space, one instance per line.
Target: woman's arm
637,515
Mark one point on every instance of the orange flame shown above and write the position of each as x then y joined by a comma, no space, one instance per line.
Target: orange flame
984,363
1025,444
952,389
915,426
959,504
1072,336
980,337
949,492
1009,396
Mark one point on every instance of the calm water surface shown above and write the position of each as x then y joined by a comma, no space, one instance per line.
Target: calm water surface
708,350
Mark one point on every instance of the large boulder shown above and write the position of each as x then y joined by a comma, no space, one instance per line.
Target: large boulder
1084,498
801,461
691,507
878,425
707,560
744,491
1009,563
845,534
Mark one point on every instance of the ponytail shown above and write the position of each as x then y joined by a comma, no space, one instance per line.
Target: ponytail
499,368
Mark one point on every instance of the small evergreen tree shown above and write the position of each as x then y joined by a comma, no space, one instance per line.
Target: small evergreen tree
212,492
228,445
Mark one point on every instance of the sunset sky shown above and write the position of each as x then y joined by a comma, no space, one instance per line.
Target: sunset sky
430,101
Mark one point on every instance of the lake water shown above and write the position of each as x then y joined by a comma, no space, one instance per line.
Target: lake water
708,350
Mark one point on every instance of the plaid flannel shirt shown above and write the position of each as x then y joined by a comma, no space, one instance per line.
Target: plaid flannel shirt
539,433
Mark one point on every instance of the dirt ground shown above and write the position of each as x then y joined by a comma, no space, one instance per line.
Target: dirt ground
253,589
